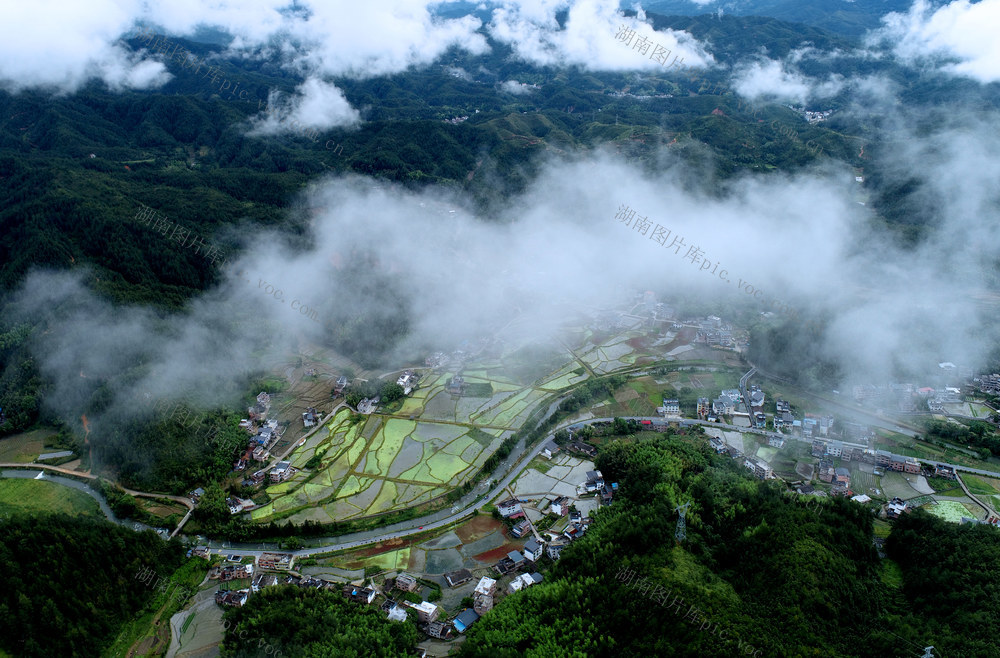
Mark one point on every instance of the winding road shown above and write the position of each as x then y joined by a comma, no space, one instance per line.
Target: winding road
466,506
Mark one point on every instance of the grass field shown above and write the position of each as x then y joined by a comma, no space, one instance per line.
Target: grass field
950,510
24,448
34,496
981,486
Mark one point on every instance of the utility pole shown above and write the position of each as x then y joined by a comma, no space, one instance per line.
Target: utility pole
681,534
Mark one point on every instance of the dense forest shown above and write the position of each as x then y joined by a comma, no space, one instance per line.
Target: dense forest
290,621
758,574
68,585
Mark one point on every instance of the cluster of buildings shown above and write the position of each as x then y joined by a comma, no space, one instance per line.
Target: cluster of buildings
265,433
714,333
839,477
760,468
988,384
484,596
266,561
906,398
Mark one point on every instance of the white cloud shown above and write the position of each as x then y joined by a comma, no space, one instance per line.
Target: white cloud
61,45
317,106
959,37
588,36
77,41
771,78
516,88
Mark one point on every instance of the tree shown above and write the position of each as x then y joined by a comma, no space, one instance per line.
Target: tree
391,391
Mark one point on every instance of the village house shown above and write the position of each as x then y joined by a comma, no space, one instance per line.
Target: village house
310,417
722,406
703,407
516,558
758,467
281,472
559,506
394,611
456,578
520,528
482,596
553,550
944,472
234,598
608,493
456,385
595,480
340,385
276,561
509,508
584,448
262,580
532,550
895,507
232,572
426,611
465,619
438,630
367,406
669,408
406,582
407,380
524,581
550,449
359,594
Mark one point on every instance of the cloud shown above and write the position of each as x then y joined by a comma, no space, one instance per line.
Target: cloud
317,106
587,39
959,38
61,45
419,277
76,42
517,88
774,79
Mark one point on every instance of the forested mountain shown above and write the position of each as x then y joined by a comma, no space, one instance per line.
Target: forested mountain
75,171
759,574
67,585
851,17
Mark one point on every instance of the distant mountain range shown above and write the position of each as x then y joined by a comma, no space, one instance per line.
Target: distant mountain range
851,17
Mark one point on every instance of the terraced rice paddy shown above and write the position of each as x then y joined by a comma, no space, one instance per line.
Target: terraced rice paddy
437,439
